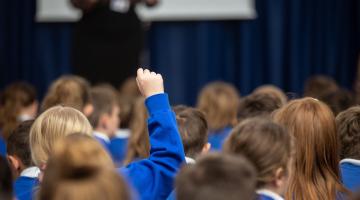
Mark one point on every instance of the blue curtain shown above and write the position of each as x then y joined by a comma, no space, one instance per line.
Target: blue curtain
289,41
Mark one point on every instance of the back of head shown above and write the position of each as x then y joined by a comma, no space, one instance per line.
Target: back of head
273,91
72,91
316,159
264,143
80,169
216,177
257,105
139,141
348,127
18,143
193,130
103,99
53,125
130,88
318,86
16,97
219,101
6,185
339,100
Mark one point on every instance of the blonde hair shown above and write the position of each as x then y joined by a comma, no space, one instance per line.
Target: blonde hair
69,90
315,173
52,125
219,101
80,169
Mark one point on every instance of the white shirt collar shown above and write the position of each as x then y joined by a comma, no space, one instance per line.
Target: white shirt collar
102,136
270,194
122,133
31,172
189,160
25,117
352,161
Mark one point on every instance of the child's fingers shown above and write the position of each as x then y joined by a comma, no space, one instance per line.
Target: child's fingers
140,73
153,73
146,72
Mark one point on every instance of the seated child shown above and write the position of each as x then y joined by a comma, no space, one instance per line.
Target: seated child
19,156
273,91
6,185
217,177
80,169
267,146
219,102
348,128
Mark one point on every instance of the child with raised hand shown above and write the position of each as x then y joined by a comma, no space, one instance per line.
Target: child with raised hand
153,177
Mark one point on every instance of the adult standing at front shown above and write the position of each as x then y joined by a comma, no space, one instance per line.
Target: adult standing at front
108,39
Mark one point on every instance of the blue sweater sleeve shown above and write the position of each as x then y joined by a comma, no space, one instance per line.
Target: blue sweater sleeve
153,177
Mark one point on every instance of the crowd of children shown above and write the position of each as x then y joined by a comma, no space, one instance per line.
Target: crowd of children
101,143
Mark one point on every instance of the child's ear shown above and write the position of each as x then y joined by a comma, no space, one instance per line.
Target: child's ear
88,109
206,148
280,177
14,162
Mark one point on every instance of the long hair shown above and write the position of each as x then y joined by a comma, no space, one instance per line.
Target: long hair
139,141
315,171
16,97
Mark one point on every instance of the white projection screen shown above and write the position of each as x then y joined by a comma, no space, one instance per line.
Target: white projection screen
167,10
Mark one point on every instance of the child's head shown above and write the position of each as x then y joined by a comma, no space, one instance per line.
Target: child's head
130,88
219,101
6,180
80,169
72,91
339,100
348,126
258,105
17,102
18,148
319,85
267,146
216,177
316,159
105,115
53,125
273,91
139,141
193,130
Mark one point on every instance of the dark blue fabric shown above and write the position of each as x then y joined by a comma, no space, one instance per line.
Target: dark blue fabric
103,143
290,40
24,187
118,147
172,196
350,174
2,147
216,139
263,197
153,177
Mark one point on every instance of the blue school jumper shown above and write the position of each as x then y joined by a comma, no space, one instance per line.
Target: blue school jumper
265,194
350,173
118,146
103,140
2,147
153,177
216,139
25,184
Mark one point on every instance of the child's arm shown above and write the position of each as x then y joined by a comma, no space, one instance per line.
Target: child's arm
153,177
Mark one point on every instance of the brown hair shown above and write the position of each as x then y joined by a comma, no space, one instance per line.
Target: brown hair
193,130
257,105
348,126
264,143
319,85
215,177
16,96
316,160
139,141
130,88
219,101
339,100
72,91
273,91
103,99
6,180
18,143
80,169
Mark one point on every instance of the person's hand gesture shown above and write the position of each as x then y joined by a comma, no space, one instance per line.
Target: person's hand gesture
149,83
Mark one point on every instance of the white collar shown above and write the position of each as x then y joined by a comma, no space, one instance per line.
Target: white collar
122,133
270,194
31,172
102,136
25,117
352,161
189,160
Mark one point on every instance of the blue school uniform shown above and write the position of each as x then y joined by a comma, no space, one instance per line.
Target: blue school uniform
268,195
216,139
103,140
25,184
2,147
118,146
350,173
153,177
